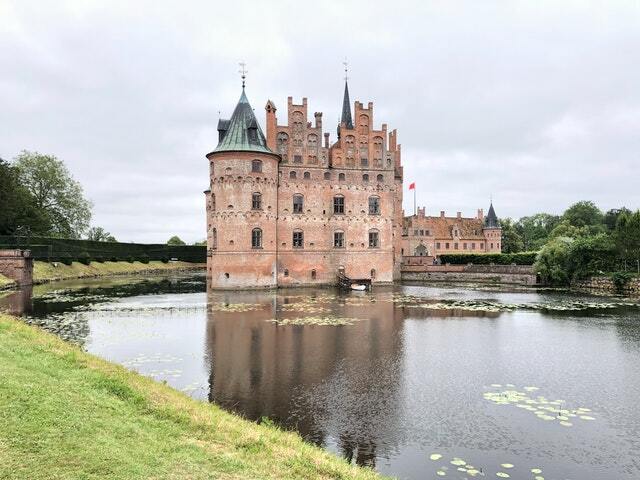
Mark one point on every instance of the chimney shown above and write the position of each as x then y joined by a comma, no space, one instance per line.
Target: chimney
318,116
326,139
459,215
480,214
271,124
441,213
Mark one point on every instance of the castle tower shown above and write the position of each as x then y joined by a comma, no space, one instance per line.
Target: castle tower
242,204
492,232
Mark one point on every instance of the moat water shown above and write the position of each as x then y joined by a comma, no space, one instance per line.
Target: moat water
418,382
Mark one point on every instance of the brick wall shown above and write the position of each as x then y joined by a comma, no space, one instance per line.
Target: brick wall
17,265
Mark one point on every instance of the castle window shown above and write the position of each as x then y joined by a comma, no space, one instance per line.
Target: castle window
446,246
422,233
380,178
481,245
341,177
256,201
473,246
298,239
427,233
415,233
213,202
226,275
256,238
286,272
374,205
338,239
373,273
364,162
214,239
438,245
338,204
374,239
365,177
455,246
327,175
256,166
464,246
298,203
313,274
292,175
297,159
492,245
306,175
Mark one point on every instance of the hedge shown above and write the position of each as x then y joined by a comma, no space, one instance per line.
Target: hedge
67,250
522,258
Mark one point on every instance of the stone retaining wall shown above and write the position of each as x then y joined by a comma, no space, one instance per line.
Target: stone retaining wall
495,274
606,285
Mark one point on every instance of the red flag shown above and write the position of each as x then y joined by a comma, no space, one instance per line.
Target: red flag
412,186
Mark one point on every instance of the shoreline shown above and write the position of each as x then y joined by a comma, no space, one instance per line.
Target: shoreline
66,403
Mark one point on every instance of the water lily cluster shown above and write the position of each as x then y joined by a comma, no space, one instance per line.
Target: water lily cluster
456,466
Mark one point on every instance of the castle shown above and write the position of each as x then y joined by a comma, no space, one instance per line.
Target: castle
290,208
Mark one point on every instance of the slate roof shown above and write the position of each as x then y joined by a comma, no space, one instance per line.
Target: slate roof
346,108
491,220
241,133
442,228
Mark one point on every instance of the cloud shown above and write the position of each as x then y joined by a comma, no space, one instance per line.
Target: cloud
534,103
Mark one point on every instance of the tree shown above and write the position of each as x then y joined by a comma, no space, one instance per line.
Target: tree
611,217
552,263
175,240
591,255
200,243
583,214
57,195
18,210
627,237
511,240
534,230
99,234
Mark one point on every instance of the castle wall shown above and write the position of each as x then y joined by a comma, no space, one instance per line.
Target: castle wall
17,265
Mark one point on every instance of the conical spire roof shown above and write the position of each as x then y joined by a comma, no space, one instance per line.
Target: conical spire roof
242,133
491,220
346,108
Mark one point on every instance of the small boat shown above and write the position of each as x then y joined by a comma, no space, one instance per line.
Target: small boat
357,286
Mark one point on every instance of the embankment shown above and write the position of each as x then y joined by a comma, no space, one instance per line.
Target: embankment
607,285
491,274
67,414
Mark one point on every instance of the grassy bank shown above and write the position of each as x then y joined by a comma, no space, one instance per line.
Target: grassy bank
67,414
5,282
46,272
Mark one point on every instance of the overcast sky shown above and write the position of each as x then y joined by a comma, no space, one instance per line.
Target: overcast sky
536,103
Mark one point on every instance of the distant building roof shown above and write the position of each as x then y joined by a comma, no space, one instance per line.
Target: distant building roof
491,220
441,228
241,133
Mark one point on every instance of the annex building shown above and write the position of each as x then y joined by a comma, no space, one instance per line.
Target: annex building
293,207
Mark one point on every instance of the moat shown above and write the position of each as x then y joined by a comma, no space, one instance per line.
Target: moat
416,381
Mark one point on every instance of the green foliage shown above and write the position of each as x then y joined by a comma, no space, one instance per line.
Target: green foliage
56,194
144,258
202,243
627,236
67,260
534,230
99,258
583,214
164,259
130,259
175,240
521,258
511,239
611,217
552,263
99,234
591,256
621,279
84,258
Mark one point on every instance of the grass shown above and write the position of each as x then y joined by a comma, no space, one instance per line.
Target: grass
5,282
65,414
45,272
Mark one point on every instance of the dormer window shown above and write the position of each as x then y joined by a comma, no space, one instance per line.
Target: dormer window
256,166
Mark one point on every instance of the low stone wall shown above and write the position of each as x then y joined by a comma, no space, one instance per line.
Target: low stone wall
606,285
17,265
495,274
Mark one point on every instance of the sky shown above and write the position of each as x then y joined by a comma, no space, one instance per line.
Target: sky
534,104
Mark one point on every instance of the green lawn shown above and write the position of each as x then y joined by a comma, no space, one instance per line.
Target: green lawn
44,271
65,414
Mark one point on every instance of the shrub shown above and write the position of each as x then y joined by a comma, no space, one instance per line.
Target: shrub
144,258
84,258
553,262
99,258
113,259
130,259
67,260
621,279
164,259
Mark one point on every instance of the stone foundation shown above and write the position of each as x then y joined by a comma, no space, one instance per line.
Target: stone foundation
606,285
493,274
17,265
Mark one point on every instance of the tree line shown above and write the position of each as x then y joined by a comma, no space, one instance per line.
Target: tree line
582,242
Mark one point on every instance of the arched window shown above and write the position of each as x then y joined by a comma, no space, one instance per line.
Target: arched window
306,175
341,177
338,239
292,175
214,239
374,239
327,175
374,205
298,203
338,204
256,166
313,274
373,274
256,201
365,177
256,238
298,239
380,178
213,202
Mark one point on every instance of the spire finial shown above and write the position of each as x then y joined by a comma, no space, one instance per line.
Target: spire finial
243,72
346,69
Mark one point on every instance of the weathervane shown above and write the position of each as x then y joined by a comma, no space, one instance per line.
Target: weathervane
243,72
346,69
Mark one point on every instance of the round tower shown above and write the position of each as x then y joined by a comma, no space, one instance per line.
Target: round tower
242,204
